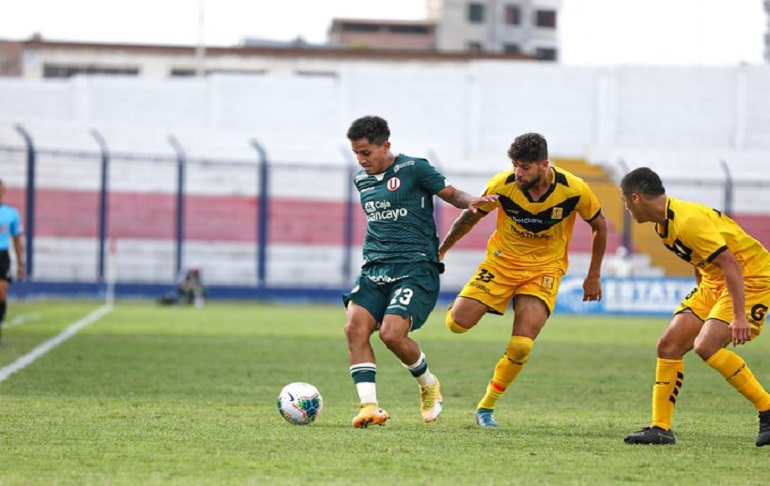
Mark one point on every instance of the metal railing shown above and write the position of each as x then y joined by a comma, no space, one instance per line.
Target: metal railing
271,178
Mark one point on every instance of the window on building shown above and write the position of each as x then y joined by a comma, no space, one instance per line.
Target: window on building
248,72
67,71
182,73
545,18
512,49
476,13
189,72
512,15
475,46
409,29
317,74
546,53
360,27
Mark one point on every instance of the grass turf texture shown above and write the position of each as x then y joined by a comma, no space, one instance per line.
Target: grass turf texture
166,395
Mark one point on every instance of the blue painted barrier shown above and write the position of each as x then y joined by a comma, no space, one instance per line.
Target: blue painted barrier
643,296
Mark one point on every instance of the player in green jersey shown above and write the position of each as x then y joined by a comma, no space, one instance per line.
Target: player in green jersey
399,282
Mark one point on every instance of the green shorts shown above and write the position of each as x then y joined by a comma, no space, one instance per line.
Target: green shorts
404,289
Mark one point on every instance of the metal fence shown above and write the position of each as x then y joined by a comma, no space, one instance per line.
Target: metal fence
256,226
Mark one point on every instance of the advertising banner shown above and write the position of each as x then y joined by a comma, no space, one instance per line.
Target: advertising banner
648,296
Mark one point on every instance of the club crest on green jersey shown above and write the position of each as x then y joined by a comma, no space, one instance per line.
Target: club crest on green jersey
394,183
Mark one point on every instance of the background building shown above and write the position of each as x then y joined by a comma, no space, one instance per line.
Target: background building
39,59
512,26
527,27
391,34
454,32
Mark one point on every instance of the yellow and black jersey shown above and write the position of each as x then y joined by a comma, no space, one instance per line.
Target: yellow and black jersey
536,234
698,234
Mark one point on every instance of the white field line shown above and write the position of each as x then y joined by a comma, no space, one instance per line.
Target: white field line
43,348
19,320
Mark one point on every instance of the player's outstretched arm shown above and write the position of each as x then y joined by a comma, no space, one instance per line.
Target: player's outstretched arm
463,200
460,227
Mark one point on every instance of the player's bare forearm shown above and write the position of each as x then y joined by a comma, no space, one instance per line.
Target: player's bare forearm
459,199
592,286
598,245
463,200
733,273
460,227
21,268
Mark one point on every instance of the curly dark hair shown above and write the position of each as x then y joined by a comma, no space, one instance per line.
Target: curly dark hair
643,181
529,147
372,128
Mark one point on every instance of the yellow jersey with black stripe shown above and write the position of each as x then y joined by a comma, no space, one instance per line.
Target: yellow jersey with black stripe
698,234
536,233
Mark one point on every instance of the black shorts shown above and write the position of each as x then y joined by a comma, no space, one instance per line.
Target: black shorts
5,265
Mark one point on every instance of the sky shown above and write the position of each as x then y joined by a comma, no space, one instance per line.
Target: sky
670,32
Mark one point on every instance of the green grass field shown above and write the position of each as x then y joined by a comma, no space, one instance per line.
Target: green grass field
161,395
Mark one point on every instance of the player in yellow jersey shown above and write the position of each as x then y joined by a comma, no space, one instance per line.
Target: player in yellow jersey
526,256
729,304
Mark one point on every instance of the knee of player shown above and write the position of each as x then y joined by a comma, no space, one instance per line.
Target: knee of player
390,338
452,325
704,348
355,332
393,330
519,348
671,348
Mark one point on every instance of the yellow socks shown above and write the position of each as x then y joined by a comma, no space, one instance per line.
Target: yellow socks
738,374
669,375
507,369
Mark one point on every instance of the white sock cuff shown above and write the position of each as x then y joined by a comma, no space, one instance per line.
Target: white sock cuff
415,365
363,367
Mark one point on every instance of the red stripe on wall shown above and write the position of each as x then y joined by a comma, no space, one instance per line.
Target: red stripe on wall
69,213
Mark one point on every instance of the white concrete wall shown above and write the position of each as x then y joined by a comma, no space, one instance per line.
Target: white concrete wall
461,114
679,121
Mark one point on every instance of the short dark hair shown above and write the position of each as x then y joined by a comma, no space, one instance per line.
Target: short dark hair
372,128
529,147
643,181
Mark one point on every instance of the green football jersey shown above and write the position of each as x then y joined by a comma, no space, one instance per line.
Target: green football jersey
398,205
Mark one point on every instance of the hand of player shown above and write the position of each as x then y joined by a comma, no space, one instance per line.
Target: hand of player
741,330
478,201
592,288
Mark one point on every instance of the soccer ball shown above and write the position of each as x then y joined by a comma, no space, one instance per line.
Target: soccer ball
300,403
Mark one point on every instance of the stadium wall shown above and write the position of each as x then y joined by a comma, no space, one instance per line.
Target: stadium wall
467,116
690,124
